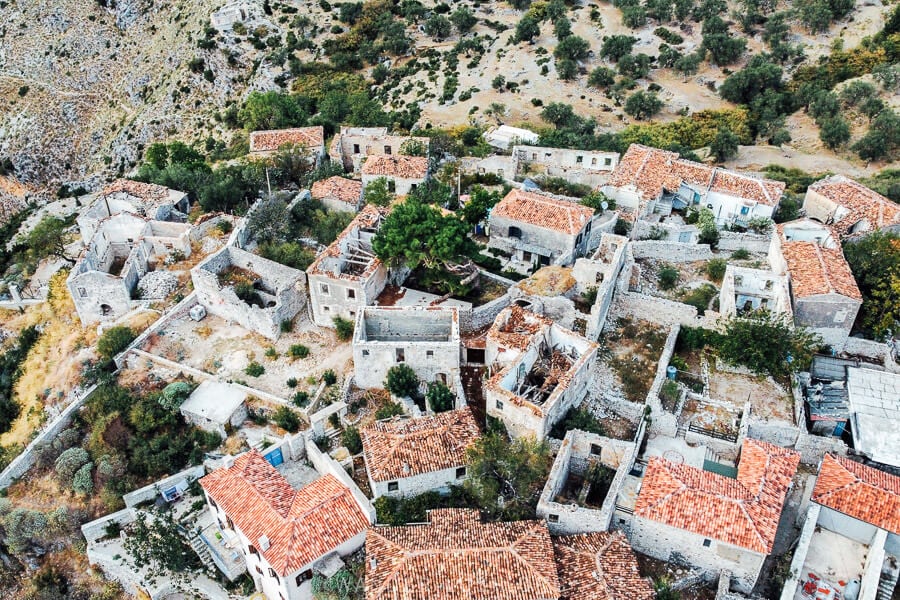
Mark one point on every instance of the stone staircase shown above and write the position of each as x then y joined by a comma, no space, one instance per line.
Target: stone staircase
888,582
200,547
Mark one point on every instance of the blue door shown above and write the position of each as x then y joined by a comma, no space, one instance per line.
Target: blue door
275,457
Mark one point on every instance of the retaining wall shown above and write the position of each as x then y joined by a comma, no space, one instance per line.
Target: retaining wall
150,492
24,461
96,529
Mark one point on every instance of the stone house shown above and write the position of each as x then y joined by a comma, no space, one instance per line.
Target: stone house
581,457
456,556
403,173
745,290
588,167
254,292
537,371
536,229
505,137
850,542
824,293
408,457
347,275
600,271
123,249
702,519
338,193
215,406
310,141
648,180
353,145
286,535
849,207
425,339
146,200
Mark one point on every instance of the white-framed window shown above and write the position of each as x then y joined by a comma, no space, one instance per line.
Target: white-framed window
323,287
393,486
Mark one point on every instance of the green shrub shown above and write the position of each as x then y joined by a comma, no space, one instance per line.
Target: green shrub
174,394
224,226
286,419
287,326
344,328
351,439
69,462
439,397
82,481
388,410
298,351
329,377
114,340
678,362
291,382
271,352
700,297
254,369
740,254
715,269
301,399
577,418
667,277
402,381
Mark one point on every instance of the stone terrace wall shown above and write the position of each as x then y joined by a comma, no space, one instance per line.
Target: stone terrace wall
671,251
730,241
24,461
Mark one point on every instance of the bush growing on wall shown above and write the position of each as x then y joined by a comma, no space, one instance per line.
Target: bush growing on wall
114,340
402,381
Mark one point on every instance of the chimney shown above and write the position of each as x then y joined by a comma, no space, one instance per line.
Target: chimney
405,468
264,542
373,563
228,461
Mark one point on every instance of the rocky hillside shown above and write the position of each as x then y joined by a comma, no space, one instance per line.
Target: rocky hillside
85,85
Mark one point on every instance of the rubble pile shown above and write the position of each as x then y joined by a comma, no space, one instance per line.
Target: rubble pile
157,284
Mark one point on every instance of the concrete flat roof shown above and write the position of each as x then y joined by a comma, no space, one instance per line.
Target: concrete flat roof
875,408
214,400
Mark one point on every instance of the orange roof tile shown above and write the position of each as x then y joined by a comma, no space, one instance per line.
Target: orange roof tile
302,526
389,165
862,203
457,557
599,566
816,270
368,218
339,188
273,139
650,171
543,211
743,512
404,448
859,491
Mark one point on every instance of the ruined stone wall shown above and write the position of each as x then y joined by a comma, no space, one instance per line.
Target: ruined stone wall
671,251
683,547
729,241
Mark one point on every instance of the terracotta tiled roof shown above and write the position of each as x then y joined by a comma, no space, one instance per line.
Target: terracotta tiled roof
763,191
650,171
743,512
863,203
339,188
389,165
271,140
368,218
457,557
817,270
859,491
543,211
515,327
599,566
149,192
408,447
302,526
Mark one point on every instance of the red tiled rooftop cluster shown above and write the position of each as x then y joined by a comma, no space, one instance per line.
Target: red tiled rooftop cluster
859,491
543,211
743,512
